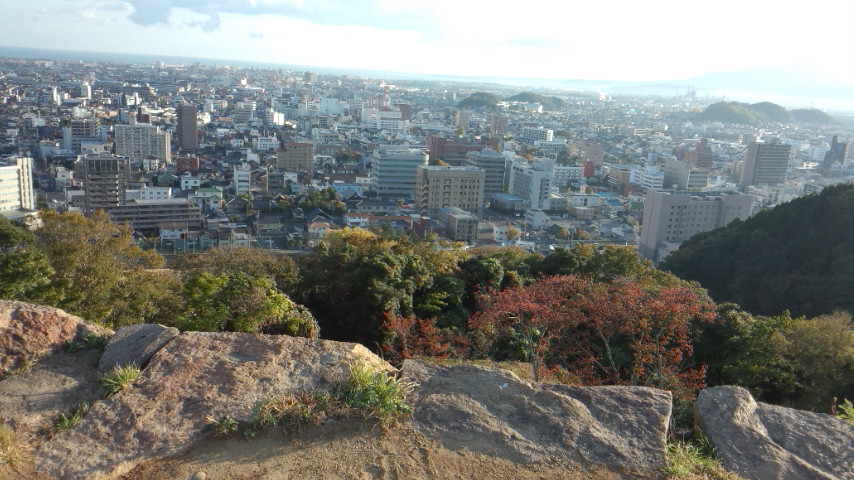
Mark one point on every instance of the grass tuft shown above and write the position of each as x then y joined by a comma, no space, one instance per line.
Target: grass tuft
89,341
694,460
66,422
369,392
12,449
119,378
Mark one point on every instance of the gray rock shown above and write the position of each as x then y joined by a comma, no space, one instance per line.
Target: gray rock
135,344
27,331
761,441
493,412
194,378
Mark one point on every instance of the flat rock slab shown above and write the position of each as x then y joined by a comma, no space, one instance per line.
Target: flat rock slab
493,412
194,378
135,345
761,441
57,383
28,331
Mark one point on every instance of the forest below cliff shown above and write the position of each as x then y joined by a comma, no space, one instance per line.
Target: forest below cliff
590,315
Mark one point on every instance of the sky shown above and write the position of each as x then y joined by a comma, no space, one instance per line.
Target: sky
626,40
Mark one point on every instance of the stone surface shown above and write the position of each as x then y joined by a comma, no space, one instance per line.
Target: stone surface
28,331
135,344
492,412
194,378
761,441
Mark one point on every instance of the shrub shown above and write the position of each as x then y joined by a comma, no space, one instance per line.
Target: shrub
224,426
845,411
119,378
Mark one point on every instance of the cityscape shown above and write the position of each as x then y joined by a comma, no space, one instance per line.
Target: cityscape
196,155
387,239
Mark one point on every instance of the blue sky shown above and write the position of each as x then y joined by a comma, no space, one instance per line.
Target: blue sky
614,40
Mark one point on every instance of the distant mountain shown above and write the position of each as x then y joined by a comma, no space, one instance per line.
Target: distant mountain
480,100
759,114
797,257
548,103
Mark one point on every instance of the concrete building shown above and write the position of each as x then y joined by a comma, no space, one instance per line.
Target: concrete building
765,163
530,135
700,156
150,216
296,157
242,180
670,218
460,225
142,140
493,164
394,168
498,124
188,133
441,187
16,184
681,175
104,180
531,182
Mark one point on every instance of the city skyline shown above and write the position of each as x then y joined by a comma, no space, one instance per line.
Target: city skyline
626,41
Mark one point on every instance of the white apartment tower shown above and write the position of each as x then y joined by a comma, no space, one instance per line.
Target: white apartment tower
16,184
393,170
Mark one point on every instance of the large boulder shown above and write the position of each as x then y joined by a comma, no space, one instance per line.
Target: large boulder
493,412
194,378
761,441
28,331
135,345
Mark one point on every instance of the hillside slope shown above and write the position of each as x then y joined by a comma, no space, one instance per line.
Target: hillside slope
798,256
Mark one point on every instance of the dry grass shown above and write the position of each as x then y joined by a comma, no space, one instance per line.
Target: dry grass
12,449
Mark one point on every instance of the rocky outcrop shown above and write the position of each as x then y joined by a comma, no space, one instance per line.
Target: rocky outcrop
28,331
492,411
135,345
761,441
194,378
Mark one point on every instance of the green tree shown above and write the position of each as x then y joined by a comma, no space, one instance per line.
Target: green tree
101,274
251,261
238,302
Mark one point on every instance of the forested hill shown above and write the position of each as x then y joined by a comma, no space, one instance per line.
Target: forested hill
798,256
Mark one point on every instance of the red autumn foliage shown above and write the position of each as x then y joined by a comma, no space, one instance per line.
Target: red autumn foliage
604,333
408,337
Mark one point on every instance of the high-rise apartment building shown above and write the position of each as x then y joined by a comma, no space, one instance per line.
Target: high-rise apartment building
439,187
670,218
530,135
765,163
16,184
104,179
188,133
498,124
142,140
837,153
393,170
296,157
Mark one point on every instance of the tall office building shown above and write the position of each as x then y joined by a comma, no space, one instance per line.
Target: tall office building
104,179
188,133
684,175
765,163
670,218
494,164
531,182
141,141
296,157
393,170
439,187
16,184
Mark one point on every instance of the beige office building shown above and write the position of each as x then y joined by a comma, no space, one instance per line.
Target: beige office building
670,218
765,163
440,187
